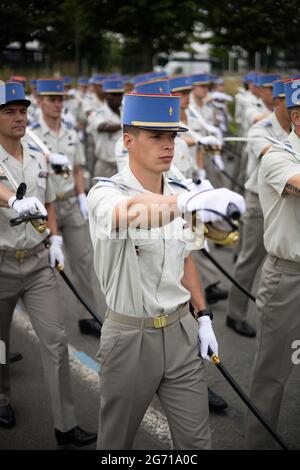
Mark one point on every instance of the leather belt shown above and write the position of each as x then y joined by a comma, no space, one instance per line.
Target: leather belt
64,196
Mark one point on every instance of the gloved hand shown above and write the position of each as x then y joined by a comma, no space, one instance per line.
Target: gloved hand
59,159
210,140
26,206
213,199
82,201
206,337
55,251
215,131
218,162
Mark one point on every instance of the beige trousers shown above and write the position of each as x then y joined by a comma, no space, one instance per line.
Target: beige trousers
278,303
32,280
136,363
250,257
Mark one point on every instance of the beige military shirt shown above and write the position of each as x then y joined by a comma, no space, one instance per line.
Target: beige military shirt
67,143
269,127
34,172
139,271
105,142
253,111
281,212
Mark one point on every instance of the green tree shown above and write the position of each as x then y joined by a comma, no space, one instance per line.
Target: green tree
149,26
251,26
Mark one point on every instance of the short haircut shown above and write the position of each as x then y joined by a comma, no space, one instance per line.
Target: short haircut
131,130
293,108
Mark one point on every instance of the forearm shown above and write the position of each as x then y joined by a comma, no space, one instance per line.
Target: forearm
5,194
109,127
292,186
78,177
51,222
146,211
191,281
190,141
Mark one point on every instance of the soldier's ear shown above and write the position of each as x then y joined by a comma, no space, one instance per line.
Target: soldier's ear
128,140
295,116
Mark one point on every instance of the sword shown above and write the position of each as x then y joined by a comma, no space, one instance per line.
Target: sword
217,362
58,169
61,271
20,193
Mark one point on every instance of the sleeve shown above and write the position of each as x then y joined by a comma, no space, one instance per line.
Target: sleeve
277,168
50,195
101,203
256,147
79,157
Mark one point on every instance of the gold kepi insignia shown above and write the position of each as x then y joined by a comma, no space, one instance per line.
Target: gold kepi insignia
160,89
170,111
13,91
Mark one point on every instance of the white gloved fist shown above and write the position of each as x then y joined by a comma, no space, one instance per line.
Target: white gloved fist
218,162
26,206
206,337
59,159
82,201
215,131
210,140
55,251
211,199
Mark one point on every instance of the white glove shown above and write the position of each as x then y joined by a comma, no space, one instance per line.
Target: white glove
218,162
213,199
219,95
26,206
55,251
215,131
59,159
210,140
206,337
82,201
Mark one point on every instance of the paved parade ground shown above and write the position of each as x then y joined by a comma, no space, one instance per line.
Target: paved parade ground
31,403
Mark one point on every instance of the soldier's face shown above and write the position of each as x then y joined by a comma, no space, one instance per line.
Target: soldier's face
184,99
13,121
51,106
151,150
200,91
266,95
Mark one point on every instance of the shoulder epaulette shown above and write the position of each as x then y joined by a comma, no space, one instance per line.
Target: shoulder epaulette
32,147
34,125
265,123
108,182
177,183
68,124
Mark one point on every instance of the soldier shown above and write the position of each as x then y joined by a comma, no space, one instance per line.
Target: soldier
71,206
278,299
252,251
24,267
105,126
149,339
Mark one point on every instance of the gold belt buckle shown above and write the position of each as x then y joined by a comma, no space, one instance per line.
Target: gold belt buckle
20,254
60,196
160,321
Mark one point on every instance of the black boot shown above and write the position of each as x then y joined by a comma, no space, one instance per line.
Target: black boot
90,327
7,417
76,436
213,293
241,327
14,357
216,403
